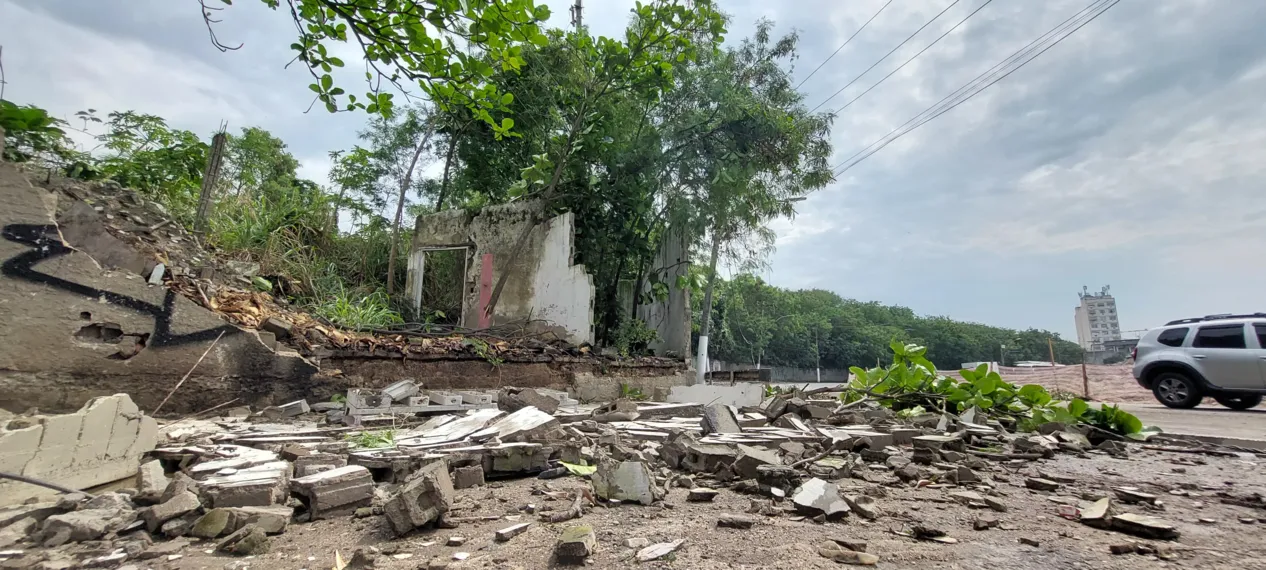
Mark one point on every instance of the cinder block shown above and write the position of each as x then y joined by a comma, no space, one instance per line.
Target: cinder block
335,492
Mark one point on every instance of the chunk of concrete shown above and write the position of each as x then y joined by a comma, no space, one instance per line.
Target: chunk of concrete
719,418
213,524
295,408
751,458
701,495
511,531
816,497
179,505
841,555
467,477
736,521
255,486
864,505
1144,526
524,425
1039,484
515,399
1098,515
87,524
621,410
17,531
249,540
336,492
625,481
660,550
278,326
151,482
424,496
1131,495
576,544
937,442
402,390
272,520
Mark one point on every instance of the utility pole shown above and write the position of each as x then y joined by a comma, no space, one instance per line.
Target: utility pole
209,179
577,16
1051,345
1085,378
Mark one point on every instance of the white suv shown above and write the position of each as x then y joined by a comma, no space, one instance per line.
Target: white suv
1221,356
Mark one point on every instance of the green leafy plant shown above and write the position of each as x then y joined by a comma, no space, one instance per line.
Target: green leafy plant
31,134
632,393
483,350
633,338
373,439
370,311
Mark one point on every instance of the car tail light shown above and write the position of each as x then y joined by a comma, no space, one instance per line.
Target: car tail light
1134,353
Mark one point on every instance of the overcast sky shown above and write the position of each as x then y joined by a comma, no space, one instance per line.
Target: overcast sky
1132,154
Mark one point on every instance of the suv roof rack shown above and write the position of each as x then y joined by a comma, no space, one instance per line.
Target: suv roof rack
1221,317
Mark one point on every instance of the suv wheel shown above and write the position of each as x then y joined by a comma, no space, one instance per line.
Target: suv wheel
1239,402
1176,390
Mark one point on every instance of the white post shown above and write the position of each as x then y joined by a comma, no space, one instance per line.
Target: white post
701,361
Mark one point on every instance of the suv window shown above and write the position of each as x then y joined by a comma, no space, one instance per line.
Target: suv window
1261,335
1226,336
1172,337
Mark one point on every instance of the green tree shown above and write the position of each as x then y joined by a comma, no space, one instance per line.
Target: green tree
256,161
449,49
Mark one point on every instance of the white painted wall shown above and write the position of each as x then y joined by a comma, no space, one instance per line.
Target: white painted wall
562,292
738,395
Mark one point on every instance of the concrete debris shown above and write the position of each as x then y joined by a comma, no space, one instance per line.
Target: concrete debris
701,495
295,408
337,492
472,476
1039,484
17,531
511,531
865,506
625,481
719,418
514,399
1144,526
750,459
455,541
213,524
402,390
1132,495
179,505
151,482
660,550
423,498
816,497
621,410
836,552
736,521
576,544
1098,514
636,542
250,540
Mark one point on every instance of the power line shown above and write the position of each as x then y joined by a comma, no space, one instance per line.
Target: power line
890,52
850,38
939,108
890,73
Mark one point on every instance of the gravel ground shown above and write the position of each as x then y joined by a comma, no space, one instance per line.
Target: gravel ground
1223,541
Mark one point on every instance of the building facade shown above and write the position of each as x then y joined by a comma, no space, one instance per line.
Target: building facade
1096,319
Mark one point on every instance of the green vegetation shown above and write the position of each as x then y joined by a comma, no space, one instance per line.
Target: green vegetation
911,385
757,322
373,439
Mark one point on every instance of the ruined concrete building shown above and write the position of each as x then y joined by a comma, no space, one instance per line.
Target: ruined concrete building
458,257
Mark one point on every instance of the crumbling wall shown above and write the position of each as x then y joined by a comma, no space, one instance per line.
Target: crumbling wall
670,317
75,328
543,284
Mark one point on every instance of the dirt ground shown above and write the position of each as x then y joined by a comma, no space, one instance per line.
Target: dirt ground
1108,383
1223,541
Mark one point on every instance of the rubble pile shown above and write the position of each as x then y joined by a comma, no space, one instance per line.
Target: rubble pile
240,479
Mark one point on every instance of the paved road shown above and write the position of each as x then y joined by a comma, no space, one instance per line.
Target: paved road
1207,420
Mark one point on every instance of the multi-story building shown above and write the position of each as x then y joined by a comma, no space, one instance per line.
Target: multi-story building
1096,319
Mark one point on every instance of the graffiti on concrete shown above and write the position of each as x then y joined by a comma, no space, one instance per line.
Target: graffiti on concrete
48,245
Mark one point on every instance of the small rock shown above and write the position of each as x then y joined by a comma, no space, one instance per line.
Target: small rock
1098,515
1209,521
213,524
985,523
249,540
701,495
1040,484
1248,520
511,531
467,477
832,551
657,551
1144,526
850,544
1118,549
1133,495
1030,541
636,542
455,541
736,521
863,505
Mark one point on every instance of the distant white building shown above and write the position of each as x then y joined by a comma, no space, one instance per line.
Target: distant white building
1096,319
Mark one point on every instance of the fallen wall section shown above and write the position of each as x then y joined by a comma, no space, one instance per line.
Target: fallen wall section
101,443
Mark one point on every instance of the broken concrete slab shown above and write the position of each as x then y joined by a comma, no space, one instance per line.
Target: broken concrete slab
295,408
401,390
816,496
701,495
751,458
840,555
1132,495
660,550
151,481
719,418
18,531
271,520
937,442
101,443
1144,526
424,497
336,492
1039,484
525,424
864,505
213,524
87,524
254,486
625,481
576,544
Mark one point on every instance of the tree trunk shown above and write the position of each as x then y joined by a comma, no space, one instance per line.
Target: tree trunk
395,230
705,325
336,206
448,165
